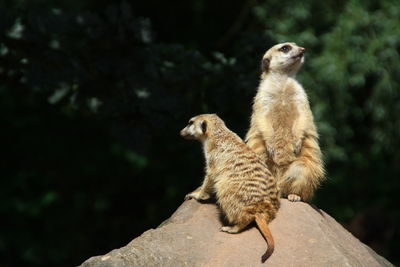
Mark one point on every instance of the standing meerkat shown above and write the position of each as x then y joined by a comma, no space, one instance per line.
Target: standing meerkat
282,130
244,187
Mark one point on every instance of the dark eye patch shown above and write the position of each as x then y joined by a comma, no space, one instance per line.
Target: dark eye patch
204,126
285,48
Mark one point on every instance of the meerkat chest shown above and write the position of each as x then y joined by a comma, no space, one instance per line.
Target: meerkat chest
286,96
281,103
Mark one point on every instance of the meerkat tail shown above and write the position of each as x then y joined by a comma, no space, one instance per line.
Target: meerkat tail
263,227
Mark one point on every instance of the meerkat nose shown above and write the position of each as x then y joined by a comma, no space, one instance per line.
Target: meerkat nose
302,50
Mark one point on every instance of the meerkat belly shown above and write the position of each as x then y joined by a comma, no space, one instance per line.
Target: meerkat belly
283,113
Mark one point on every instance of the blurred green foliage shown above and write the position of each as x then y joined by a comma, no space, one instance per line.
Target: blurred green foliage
93,96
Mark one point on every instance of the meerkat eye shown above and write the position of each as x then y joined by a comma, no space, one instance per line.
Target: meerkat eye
285,48
190,122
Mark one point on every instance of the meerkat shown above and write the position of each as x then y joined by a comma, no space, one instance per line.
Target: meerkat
282,130
244,187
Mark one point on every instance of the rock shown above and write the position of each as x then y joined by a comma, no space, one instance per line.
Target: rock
304,236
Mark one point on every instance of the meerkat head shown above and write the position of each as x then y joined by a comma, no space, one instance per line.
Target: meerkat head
283,58
201,126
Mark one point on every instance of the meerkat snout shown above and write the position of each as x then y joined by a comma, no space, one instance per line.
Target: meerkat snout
302,50
184,133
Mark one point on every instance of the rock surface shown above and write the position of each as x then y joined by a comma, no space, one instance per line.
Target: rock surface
304,236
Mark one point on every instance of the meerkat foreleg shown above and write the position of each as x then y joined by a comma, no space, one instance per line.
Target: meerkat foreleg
267,132
298,130
270,148
297,146
261,142
205,190
255,141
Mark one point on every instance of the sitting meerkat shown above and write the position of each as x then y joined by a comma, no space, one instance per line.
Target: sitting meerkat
282,130
244,187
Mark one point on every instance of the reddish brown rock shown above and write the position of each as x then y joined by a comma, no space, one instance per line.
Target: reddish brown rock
304,236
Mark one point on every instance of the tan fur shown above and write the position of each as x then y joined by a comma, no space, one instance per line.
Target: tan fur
244,187
282,130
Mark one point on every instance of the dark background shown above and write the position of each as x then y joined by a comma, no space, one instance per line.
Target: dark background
93,95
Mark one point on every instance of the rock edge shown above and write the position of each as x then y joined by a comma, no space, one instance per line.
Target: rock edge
304,236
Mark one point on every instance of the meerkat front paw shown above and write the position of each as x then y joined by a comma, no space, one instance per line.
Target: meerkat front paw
194,195
271,151
198,195
297,147
294,197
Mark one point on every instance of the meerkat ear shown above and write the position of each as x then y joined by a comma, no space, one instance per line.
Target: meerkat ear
265,64
204,126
